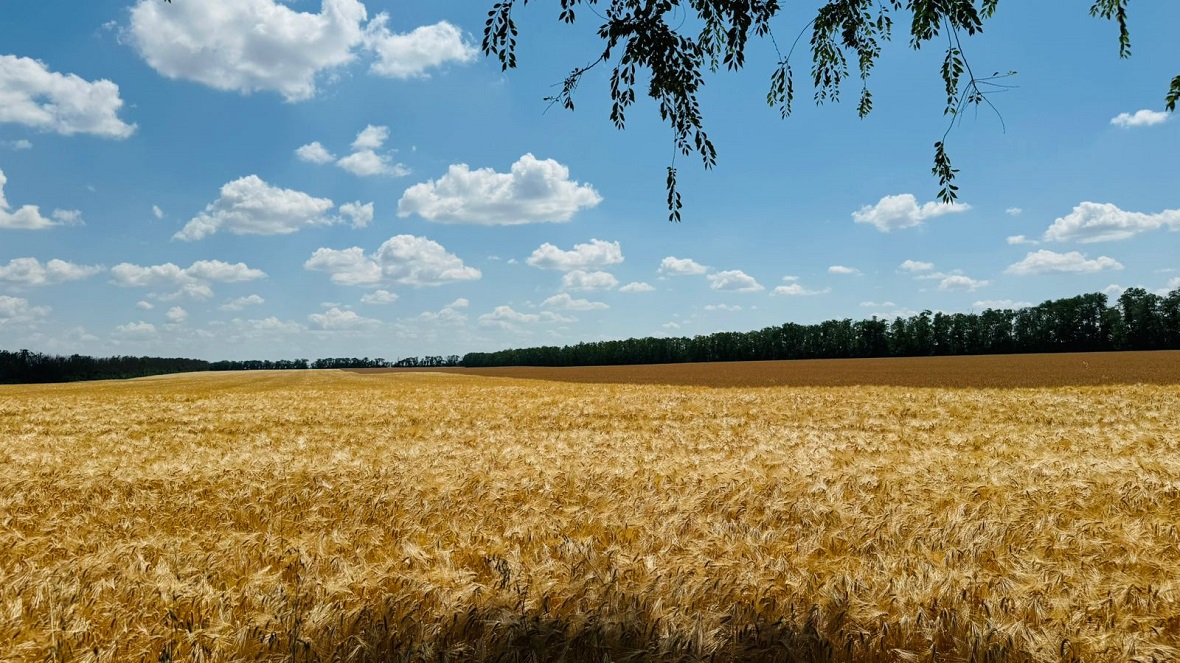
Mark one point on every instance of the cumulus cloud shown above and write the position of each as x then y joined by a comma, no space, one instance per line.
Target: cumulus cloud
734,280
29,217
1014,211
250,206
364,161
594,254
915,266
62,103
247,45
361,215
672,266
144,305
192,281
1141,118
335,319
583,280
1049,262
960,282
157,212
135,330
413,54
21,144
565,302
176,315
31,272
241,303
314,152
379,297
722,307
795,289
507,314
1014,240
17,312
367,163
1104,222
534,191
403,259
902,211
637,286
451,314
842,269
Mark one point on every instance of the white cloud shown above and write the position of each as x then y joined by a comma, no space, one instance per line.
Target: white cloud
1104,222
1014,240
367,163
502,314
144,306
314,152
999,304
370,138
450,314
1048,262
535,191
403,259
565,302
379,297
1114,290
637,286
914,266
670,325
960,282
31,272
176,315
595,253
247,45
412,54
192,281
250,206
903,211
28,217
21,144
17,312
335,319
842,269
722,307
734,280
796,289
1173,284
1141,118
136,330
361,215
582,280
66,104
876,305
672,266
242,302
157,212
1014,211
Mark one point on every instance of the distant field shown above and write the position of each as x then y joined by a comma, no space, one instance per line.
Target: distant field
332,516
1030,370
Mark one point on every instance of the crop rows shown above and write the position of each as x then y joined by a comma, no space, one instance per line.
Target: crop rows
323,516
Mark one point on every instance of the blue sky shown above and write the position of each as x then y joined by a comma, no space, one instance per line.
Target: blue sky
232,179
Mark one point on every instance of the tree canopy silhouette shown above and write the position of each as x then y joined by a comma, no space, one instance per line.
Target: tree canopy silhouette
650,37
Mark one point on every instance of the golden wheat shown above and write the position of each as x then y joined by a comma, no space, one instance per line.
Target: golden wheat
336,516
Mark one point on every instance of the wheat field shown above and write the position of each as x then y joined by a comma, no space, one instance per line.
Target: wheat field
333,516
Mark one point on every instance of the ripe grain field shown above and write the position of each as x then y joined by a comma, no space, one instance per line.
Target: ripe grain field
334,516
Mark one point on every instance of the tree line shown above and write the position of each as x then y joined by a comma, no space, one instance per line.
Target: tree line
1139,320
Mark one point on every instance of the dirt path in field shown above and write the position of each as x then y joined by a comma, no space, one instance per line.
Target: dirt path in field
999,371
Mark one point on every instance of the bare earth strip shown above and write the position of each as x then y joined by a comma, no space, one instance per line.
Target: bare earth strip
331,516
1001,371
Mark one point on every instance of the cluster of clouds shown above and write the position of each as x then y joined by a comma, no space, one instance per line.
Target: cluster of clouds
363,160
402,259
252,46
